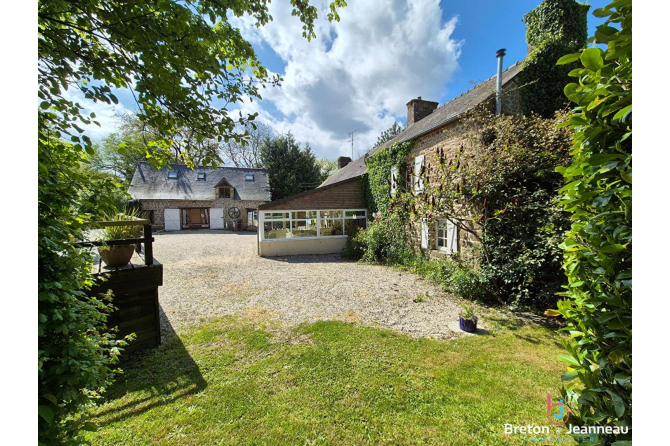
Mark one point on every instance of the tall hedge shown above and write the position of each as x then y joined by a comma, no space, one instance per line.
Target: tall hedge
553,29
598,248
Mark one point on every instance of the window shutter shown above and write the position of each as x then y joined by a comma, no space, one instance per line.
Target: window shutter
424,233
452,237
394,180
418,177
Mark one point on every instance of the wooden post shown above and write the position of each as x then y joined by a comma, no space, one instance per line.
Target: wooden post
148,248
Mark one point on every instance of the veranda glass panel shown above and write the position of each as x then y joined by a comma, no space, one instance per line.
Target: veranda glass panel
304,228
354,214
276,215
331,214
300,215
331,228
276,229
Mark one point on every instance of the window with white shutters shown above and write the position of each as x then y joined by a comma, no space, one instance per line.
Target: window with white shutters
419,174
447,236
394,180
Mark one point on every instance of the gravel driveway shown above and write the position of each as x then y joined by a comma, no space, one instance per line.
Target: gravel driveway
214,273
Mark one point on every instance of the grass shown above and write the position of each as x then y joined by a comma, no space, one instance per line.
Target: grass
231,381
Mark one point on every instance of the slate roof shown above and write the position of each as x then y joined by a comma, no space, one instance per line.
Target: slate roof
441,116
151,184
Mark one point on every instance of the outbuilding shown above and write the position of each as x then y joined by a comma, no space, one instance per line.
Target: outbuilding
177,197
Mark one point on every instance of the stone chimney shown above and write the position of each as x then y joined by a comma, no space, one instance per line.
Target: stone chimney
417,109
343,161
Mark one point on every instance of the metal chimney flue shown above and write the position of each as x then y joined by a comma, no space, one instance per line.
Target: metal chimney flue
500,54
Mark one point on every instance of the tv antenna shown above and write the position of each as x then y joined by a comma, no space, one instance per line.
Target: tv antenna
351,134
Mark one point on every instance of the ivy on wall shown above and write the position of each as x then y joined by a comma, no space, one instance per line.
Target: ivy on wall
377,180
553,29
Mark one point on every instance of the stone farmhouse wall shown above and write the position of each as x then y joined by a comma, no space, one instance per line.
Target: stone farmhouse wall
158,207
447,138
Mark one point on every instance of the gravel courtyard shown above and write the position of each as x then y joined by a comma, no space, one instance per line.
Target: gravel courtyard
209,274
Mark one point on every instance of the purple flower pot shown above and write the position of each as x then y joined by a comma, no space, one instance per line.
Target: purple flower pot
467,325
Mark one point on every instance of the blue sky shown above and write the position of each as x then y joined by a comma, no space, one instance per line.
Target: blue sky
358,74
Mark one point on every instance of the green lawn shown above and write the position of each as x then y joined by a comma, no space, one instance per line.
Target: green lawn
233,382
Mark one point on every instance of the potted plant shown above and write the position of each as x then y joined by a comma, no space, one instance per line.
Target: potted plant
118,255
467,319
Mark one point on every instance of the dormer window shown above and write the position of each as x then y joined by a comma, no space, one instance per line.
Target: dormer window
225,192
201,176
173,174
249,177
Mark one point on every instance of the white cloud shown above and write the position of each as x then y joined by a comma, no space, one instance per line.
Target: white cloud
105,114
357,74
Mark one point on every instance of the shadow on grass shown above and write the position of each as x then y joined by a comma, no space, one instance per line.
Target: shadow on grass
152,377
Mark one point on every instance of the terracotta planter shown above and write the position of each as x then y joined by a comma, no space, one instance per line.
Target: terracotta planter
467,325
116,255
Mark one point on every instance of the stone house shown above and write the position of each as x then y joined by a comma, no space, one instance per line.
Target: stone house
300,224
177,197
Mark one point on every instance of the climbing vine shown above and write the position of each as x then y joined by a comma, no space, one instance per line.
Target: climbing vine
495,179
378,181
553,29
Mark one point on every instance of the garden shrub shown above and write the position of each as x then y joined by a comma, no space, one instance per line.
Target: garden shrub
77,355
598,248
386,240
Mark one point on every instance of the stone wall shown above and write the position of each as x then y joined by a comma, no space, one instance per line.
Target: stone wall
448,139
158,207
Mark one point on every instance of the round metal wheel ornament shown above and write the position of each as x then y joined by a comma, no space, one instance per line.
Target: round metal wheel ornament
233,212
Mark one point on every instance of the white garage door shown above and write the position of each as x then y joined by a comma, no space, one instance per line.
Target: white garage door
172,221
216,218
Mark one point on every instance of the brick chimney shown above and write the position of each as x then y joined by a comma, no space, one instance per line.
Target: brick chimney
343,161
417,109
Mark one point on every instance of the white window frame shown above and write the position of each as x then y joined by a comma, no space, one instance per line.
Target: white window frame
451,244
418,179
394,180
262,218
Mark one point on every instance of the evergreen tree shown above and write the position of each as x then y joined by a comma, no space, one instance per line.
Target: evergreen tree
291,170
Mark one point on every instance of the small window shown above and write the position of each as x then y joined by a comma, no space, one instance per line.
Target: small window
447,236
201,176
249,177
173,174
225,192
252,217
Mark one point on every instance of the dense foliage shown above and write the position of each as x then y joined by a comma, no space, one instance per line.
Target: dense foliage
598,248
500,187
177,58
291,169
76,354
553,29
378,177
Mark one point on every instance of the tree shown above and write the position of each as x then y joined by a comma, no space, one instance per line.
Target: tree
247,153
327,168
598,250
176,58
389,134
290,169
